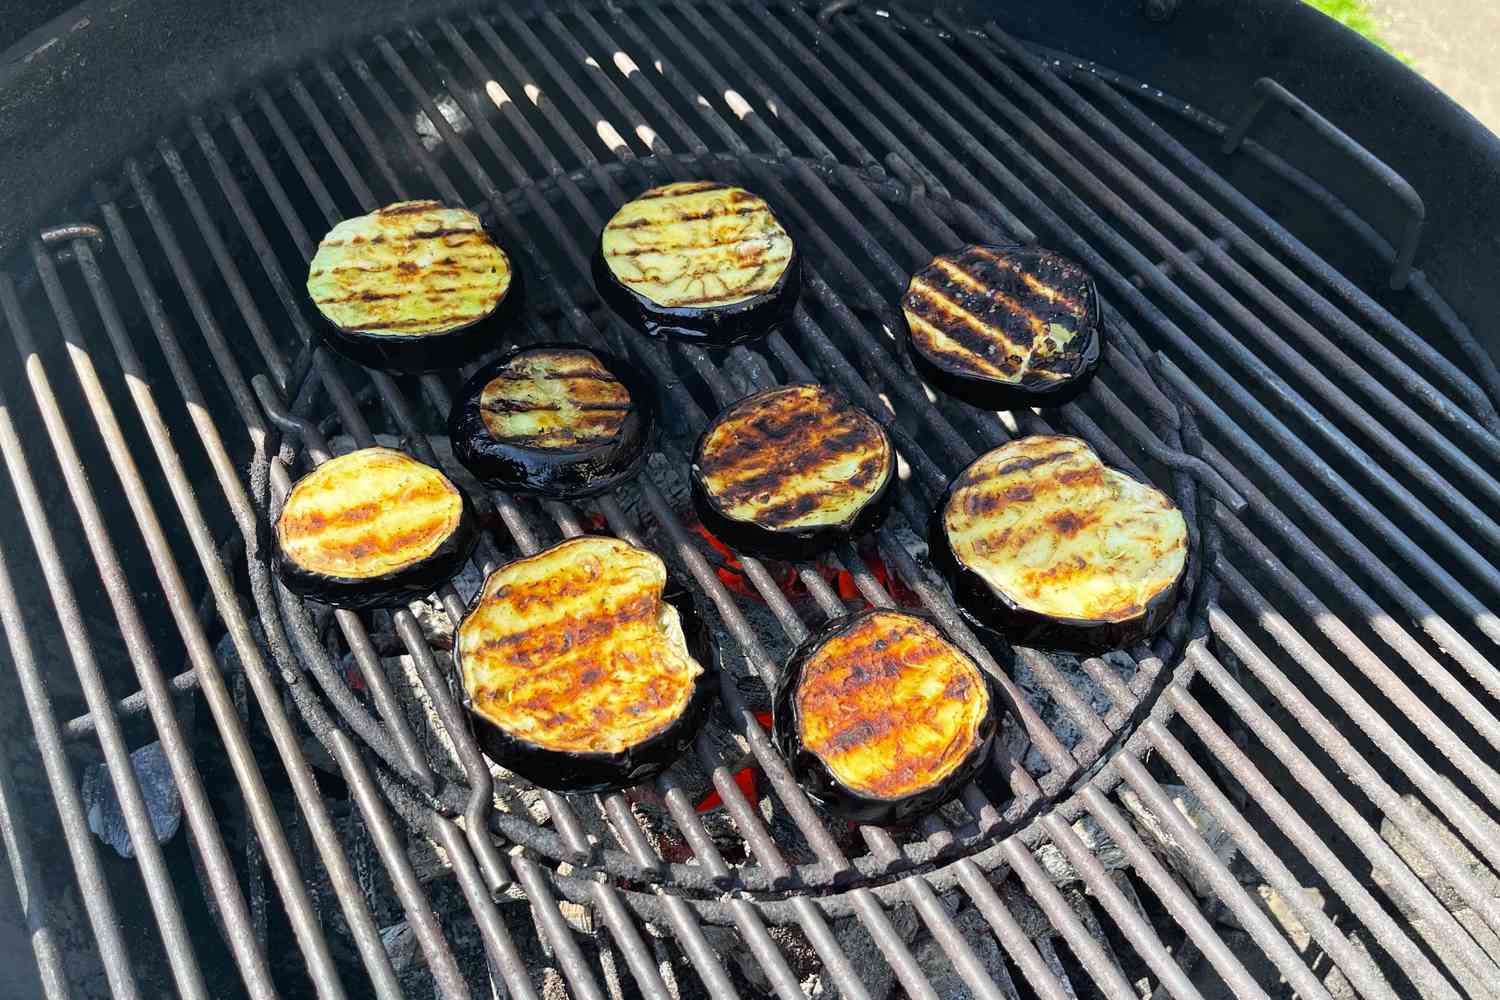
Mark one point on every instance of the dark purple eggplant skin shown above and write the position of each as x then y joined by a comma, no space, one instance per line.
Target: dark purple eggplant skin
431,352
391,590
718,328
1000,617
819,782
789,544
554,474
566,771
995,394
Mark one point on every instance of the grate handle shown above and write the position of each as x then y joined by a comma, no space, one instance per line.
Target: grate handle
1267,90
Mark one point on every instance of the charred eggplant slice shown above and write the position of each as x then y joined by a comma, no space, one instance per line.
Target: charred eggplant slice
1003,327
881,717
554,420
699,261
582,670
373,528
413,287
792,470
1046,545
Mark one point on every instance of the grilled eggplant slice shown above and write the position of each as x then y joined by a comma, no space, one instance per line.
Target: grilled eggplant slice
1045,544
699,261
554,420
792,470
881,717
1003,327
413,287
582,669
373,528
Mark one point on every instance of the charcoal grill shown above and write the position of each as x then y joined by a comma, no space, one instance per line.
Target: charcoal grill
1337,455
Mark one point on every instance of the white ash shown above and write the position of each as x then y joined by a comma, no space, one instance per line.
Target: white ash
1219,840
1054,714
1061,871
452,114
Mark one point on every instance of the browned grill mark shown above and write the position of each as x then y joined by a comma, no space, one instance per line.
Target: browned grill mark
521,406
637,251
1031,462
555,375
1052,293
784,462
567,648
966,329
401,324
996,313
977,295
369,544
409,207
677,190
859,705
712,213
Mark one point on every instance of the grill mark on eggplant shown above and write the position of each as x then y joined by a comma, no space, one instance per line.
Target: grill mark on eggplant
567,649
679,189
782,455
987,312
1043,521
412,268
554,399
890,706
367,514
712,213
708,245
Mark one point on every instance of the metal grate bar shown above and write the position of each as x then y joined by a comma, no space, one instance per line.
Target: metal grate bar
267,694
786,978
98,900
445,973
623,928
1226,383
903,55
1357,966
153,867
1483,429
228,476
1333,802
31,894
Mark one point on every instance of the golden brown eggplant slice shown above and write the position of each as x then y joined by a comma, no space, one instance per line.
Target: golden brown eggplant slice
792,470
881,717
1004,327
699,261
373,528
555,420
581,670
1046,545
415,286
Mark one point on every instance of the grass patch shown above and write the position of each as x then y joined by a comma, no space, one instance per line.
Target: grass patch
1355,15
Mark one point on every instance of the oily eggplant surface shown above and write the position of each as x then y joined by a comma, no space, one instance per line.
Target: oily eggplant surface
370,529
792,470
698,261
554,420
1004,327
881,717
1044,544
585,668
413,287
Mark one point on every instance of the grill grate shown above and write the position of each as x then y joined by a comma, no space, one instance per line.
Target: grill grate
208,233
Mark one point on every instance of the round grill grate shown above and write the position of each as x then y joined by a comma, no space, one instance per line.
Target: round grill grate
861,236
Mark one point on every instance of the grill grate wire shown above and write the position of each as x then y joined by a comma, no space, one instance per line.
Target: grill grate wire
910,58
